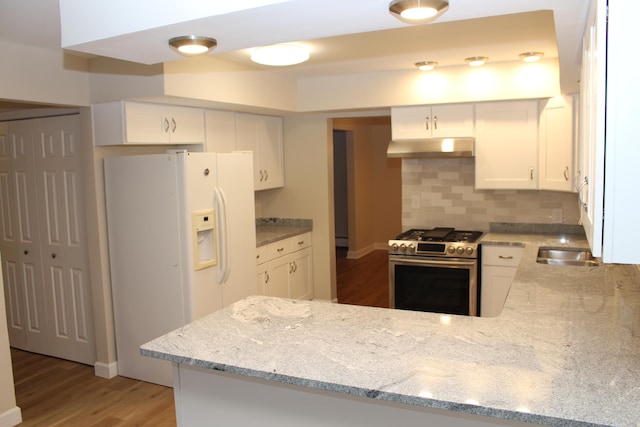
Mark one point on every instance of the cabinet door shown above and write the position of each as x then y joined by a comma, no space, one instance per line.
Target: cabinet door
146,124
507,145
496,282
263,136
556,144
300,278
278,285
220,131
263,278
410,122
186,125
272,153
452,120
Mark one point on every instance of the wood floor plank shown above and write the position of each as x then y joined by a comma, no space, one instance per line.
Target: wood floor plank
363,281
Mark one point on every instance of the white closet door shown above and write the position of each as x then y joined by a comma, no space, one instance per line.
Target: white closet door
58,166
26,309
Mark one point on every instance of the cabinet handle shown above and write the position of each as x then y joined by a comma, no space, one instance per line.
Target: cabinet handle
426,122
26,252
566,173
266,277
531,172
166,125
505,257
280,249
435,122
257,256
53,255
266,175
261,177
174,125
301,242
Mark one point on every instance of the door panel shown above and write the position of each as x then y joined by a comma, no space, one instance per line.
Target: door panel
64,261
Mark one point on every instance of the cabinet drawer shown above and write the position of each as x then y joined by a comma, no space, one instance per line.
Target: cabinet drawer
279,248
300,242
507,256
261,255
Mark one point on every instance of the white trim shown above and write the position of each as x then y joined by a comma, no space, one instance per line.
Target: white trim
11,417
366,250
106,370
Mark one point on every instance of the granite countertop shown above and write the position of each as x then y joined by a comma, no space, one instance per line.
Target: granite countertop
269,230
564,352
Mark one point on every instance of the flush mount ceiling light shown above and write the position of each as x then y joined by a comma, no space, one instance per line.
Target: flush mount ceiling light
280,54
193,45
426,65
531,56
418,11
476,61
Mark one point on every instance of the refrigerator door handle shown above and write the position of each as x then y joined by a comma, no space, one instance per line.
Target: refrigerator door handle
223,251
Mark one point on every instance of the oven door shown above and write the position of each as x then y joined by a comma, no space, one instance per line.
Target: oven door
434,284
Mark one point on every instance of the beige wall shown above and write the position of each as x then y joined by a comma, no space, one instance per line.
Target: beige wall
374,184
308,192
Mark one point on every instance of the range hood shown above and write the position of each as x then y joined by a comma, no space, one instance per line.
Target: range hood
432,148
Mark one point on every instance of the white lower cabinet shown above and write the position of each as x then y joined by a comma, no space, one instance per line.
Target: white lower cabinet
499,266
284,268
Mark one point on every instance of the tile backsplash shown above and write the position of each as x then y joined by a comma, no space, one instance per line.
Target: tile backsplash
441,193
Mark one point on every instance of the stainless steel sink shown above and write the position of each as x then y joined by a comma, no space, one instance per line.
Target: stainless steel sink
566,256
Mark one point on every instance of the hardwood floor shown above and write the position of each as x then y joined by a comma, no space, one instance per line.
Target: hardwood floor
363,281
53,392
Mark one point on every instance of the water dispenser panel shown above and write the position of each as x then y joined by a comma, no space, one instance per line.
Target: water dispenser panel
205,242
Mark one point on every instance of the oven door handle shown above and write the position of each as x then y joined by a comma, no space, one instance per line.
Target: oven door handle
444,262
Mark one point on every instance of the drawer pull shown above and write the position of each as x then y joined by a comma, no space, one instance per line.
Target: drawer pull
280,249
505,257
301,242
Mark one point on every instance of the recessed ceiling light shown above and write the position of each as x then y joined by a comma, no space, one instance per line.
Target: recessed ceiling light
193,45
280,54
418,11
426,65
531,56
476,61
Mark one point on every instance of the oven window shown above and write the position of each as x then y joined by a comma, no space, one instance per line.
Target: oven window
434,289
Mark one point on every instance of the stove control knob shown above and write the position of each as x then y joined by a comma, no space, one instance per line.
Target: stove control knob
469,250
403,248
411,249
460,250
451,250
393,247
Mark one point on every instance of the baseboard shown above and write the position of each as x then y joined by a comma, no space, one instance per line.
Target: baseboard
367,250
11,417
106,370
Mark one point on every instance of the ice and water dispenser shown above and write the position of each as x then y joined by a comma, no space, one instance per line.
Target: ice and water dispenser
205,250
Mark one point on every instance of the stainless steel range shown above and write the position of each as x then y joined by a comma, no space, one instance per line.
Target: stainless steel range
435,270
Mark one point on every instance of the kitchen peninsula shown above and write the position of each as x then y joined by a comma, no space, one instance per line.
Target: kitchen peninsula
564,352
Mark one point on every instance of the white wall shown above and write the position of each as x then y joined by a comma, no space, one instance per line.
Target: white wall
43,76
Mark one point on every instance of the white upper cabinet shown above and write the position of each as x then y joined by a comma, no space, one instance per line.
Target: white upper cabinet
438,121
556,145
136,123
507,145
263,136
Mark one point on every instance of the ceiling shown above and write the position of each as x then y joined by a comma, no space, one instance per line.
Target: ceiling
353,36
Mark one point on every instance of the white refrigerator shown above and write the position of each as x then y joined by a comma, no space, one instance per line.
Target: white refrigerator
182,243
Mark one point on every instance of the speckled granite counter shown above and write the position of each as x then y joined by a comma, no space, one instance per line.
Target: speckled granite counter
269,230
564,352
